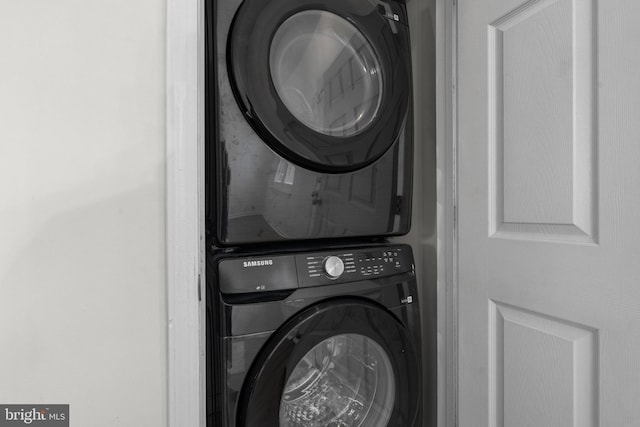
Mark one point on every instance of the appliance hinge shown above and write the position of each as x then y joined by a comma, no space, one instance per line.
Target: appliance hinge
455,216
199,287
398,203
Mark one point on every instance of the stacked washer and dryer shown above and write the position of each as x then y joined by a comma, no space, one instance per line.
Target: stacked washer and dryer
312,315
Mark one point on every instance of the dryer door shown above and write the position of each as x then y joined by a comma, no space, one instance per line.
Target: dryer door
340,363
325,84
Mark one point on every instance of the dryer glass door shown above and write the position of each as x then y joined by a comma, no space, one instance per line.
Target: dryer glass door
327,85
326,73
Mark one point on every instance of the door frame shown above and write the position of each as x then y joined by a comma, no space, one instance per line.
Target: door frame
446,163
185,213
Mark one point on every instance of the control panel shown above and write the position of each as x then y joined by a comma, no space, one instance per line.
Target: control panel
291,271
381,262
326,267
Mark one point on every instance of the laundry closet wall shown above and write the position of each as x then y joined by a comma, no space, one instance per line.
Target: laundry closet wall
82,202
423,236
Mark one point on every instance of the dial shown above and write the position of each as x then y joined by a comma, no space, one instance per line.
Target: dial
333,266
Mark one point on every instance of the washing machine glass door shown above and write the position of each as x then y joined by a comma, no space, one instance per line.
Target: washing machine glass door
345,380
326,85
341,363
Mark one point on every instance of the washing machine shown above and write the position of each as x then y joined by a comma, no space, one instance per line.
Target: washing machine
314,339
309,129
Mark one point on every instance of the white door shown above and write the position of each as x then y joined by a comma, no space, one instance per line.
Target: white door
549,213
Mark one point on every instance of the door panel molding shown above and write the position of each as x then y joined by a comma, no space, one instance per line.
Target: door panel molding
541,367
542,113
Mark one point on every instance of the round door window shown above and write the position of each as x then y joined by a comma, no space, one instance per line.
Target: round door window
345,380
326,73
330,89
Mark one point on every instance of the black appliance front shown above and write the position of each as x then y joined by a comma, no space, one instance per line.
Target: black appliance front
314,339
309,120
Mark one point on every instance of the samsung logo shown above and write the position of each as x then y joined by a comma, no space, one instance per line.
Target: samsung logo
257,263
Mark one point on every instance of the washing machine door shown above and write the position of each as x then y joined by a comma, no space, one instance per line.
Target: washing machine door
340,363
325,84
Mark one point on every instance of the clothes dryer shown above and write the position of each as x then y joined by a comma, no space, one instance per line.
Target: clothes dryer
309,120
314,339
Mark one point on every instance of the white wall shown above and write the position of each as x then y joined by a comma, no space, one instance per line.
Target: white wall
82,223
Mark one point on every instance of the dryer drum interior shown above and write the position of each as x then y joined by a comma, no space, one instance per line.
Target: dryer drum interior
342,102
309,129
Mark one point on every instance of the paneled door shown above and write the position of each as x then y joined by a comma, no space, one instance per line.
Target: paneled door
548,179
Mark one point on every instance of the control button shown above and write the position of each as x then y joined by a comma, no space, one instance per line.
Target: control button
334,267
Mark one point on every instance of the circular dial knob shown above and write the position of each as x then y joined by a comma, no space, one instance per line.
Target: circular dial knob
334,267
